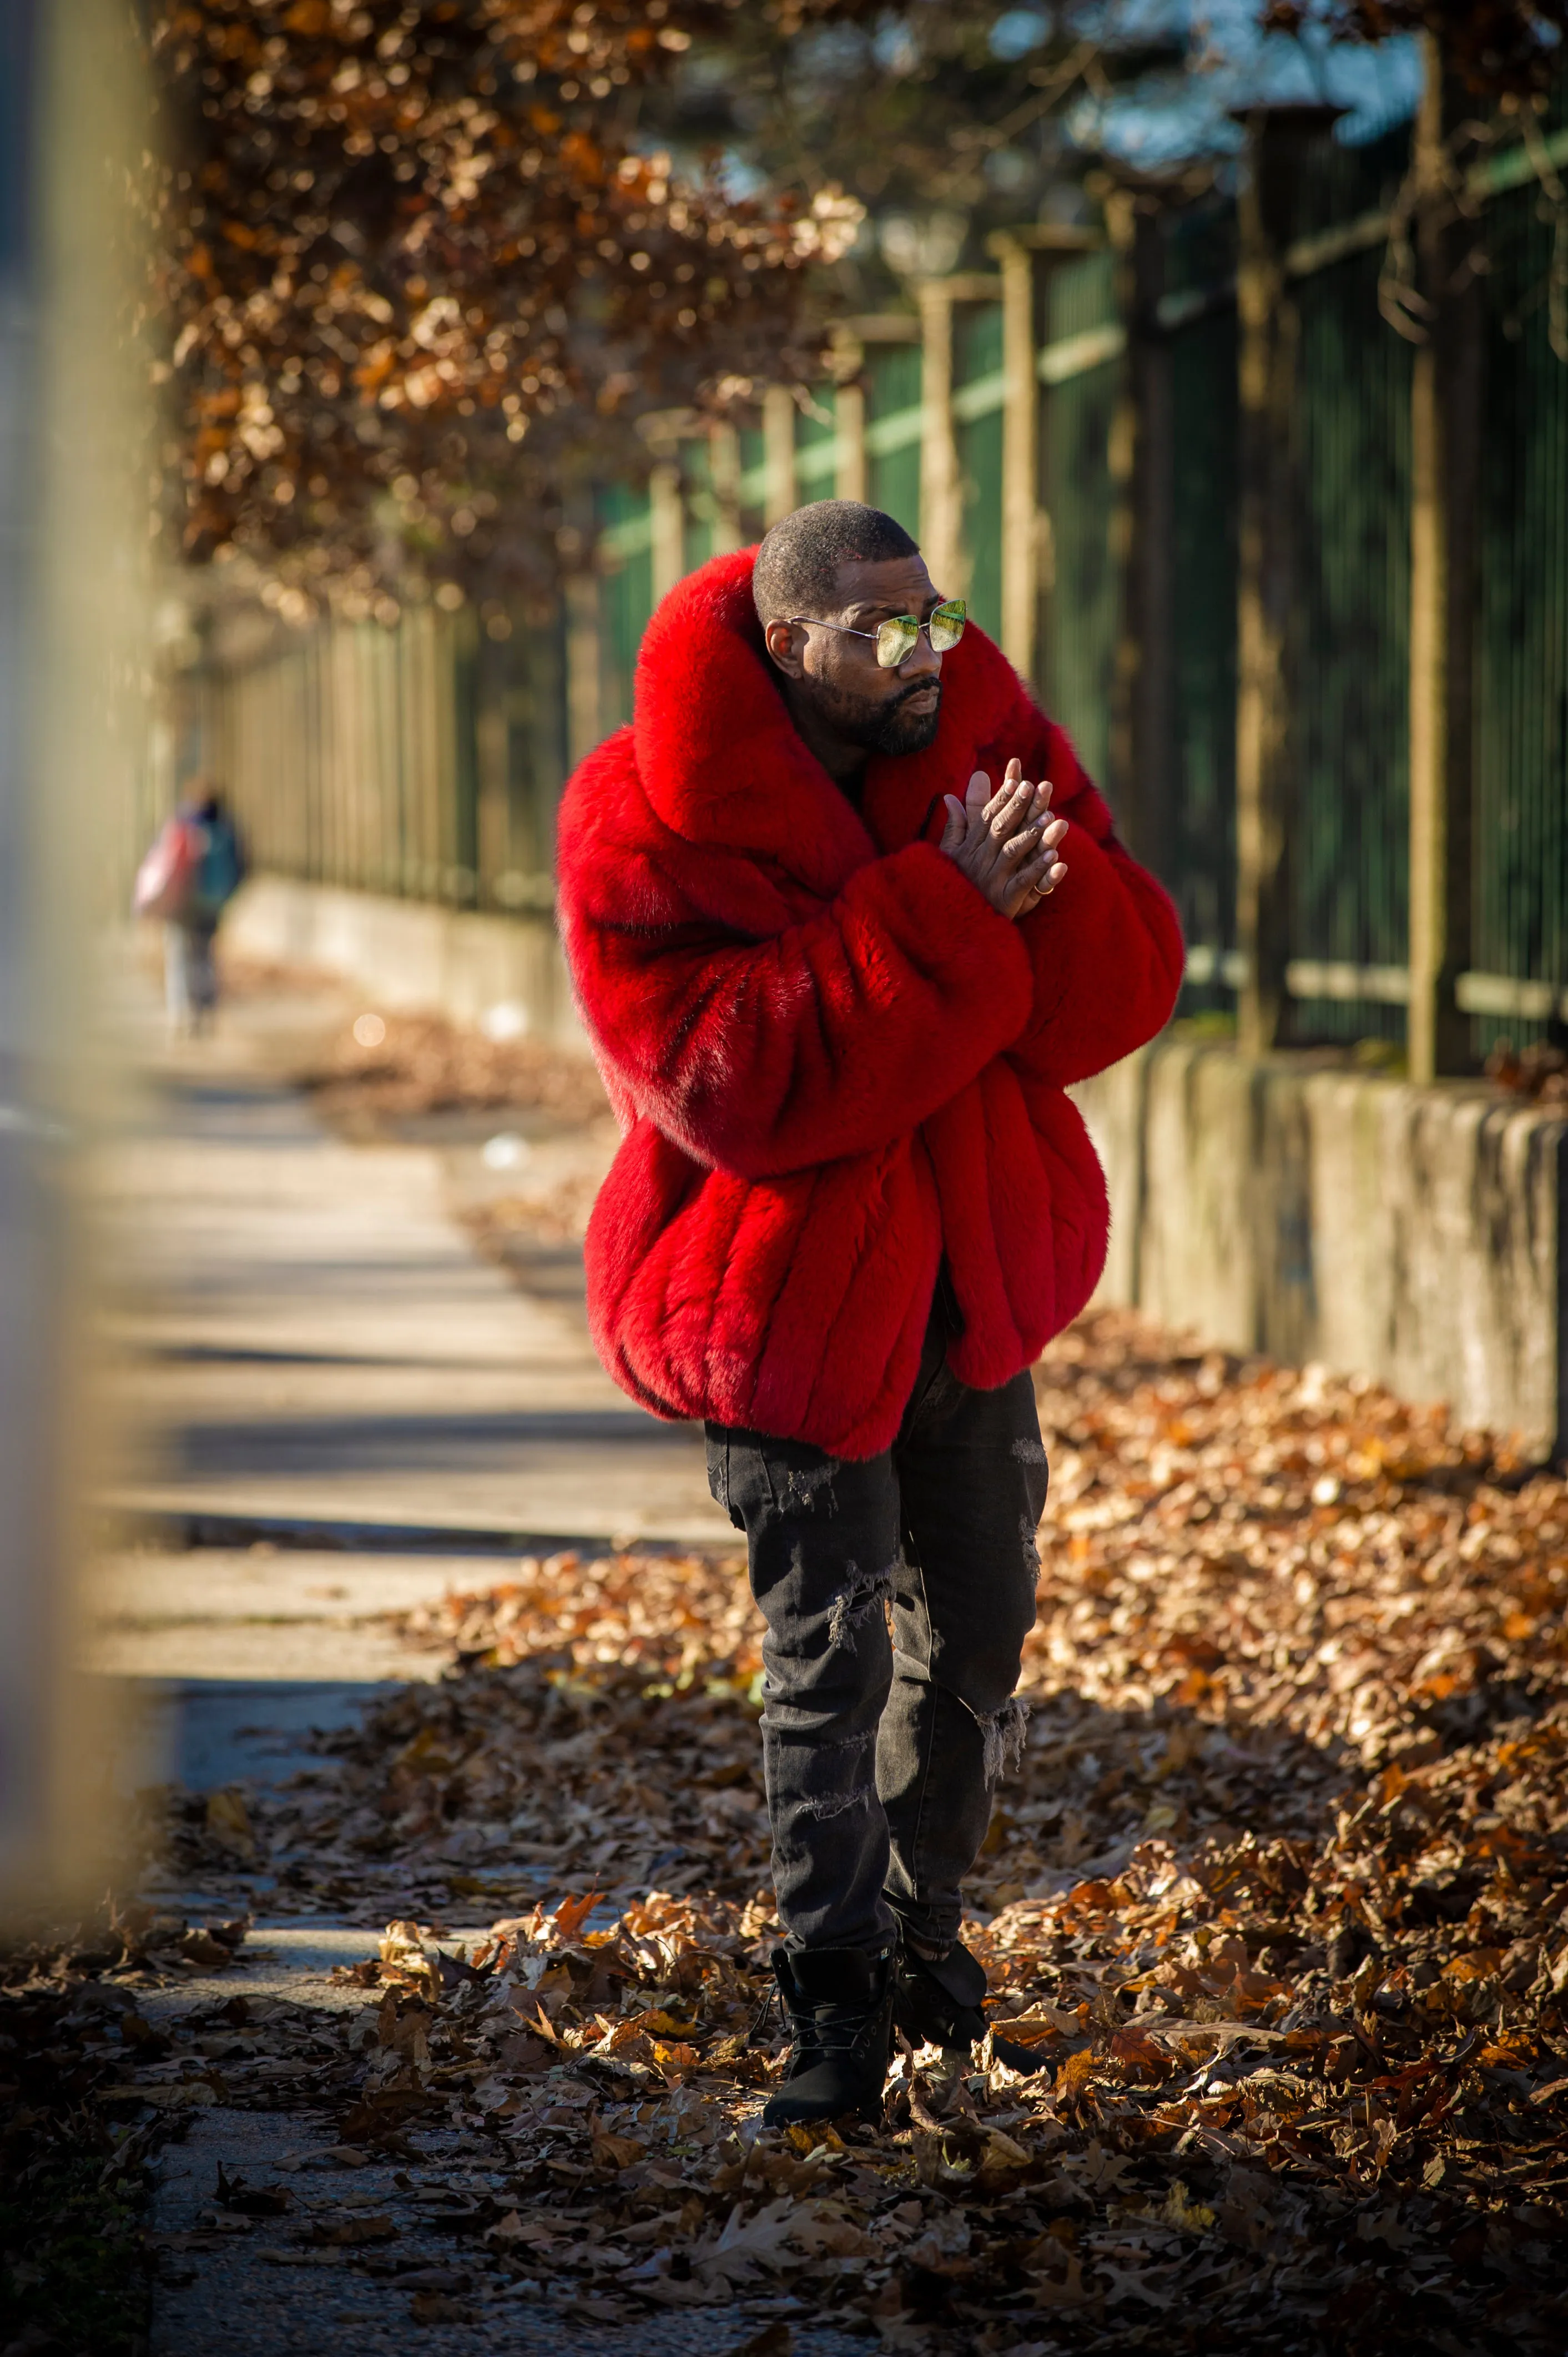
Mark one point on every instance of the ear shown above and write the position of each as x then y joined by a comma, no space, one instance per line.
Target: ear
787,647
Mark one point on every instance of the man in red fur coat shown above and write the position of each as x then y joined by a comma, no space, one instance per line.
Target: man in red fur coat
845,918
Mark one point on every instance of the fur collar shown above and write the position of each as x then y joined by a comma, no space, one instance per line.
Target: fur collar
721,762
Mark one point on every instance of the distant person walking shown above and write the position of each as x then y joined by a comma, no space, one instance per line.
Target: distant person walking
187,880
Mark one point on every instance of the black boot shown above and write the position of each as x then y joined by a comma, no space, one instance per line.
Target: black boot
937,2003
841,2009
937,2000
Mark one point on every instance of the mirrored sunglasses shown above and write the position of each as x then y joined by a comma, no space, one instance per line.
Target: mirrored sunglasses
896,639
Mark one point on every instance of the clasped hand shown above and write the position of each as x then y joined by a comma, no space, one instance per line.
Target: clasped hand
1006,844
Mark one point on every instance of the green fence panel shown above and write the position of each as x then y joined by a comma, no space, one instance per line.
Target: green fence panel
1520,842
699,507
1083,609
977,363
1350,833
816,446
626,595
1200,831
892,434
1349,856
753,519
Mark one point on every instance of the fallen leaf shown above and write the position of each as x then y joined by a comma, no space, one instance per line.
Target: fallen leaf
346,2230
252,2200
434,2308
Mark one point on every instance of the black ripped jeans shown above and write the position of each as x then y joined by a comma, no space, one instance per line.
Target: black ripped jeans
881,1752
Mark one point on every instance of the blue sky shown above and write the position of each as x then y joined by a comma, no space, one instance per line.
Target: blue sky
1230,64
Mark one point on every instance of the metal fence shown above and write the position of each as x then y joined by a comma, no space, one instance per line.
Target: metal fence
425,759
423,762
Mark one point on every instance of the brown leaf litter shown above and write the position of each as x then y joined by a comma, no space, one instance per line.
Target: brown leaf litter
1276,1903
395,1065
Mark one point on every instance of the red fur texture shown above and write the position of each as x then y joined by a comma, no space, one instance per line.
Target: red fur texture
833,1060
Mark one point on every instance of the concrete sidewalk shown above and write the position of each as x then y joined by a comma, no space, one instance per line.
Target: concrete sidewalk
319,1349
339,1410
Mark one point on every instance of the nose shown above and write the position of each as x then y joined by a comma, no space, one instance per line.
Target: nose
922,661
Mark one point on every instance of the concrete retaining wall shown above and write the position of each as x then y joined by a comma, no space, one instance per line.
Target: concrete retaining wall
409,953
1413,1234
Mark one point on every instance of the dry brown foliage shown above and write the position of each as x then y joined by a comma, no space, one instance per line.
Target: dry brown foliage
417,1064
1277,1902
419,276
1538,1072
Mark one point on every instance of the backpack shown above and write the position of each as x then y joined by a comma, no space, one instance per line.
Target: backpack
221,870
165,879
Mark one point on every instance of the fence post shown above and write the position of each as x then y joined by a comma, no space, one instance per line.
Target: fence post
666,526
1269,332
1020,456
849,413
940,516
778,496
1026,526
724,471
941,486
1445,435
1141,724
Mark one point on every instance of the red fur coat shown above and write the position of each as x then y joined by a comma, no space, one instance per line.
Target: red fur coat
833,1060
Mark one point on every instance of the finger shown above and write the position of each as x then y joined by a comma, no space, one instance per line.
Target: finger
1052,834
1042,875
957,827
1011,812
1025,845
1005,791
976,791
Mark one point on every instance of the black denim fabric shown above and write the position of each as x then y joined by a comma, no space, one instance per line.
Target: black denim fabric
881,1753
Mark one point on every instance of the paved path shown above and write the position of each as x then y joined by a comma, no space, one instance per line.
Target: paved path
337,1410
317,1345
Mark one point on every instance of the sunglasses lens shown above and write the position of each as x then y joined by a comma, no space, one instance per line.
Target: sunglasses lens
895,639
947,624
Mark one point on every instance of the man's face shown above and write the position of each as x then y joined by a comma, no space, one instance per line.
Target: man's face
839,676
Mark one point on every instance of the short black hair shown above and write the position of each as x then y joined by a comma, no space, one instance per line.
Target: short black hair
797,563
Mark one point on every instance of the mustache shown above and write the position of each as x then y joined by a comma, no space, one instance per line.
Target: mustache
920,687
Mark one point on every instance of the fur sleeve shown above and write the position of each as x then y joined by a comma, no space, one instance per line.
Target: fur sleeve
1105,948
832,1036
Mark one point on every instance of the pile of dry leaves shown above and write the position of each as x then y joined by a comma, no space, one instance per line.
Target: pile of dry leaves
1538,1072
1277,1902
389,1066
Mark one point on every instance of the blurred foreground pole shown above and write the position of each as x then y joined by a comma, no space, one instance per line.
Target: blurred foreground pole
73,545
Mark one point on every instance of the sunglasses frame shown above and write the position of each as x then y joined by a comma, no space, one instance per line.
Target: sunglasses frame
949,606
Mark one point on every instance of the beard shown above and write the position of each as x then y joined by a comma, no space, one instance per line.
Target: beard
884,727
